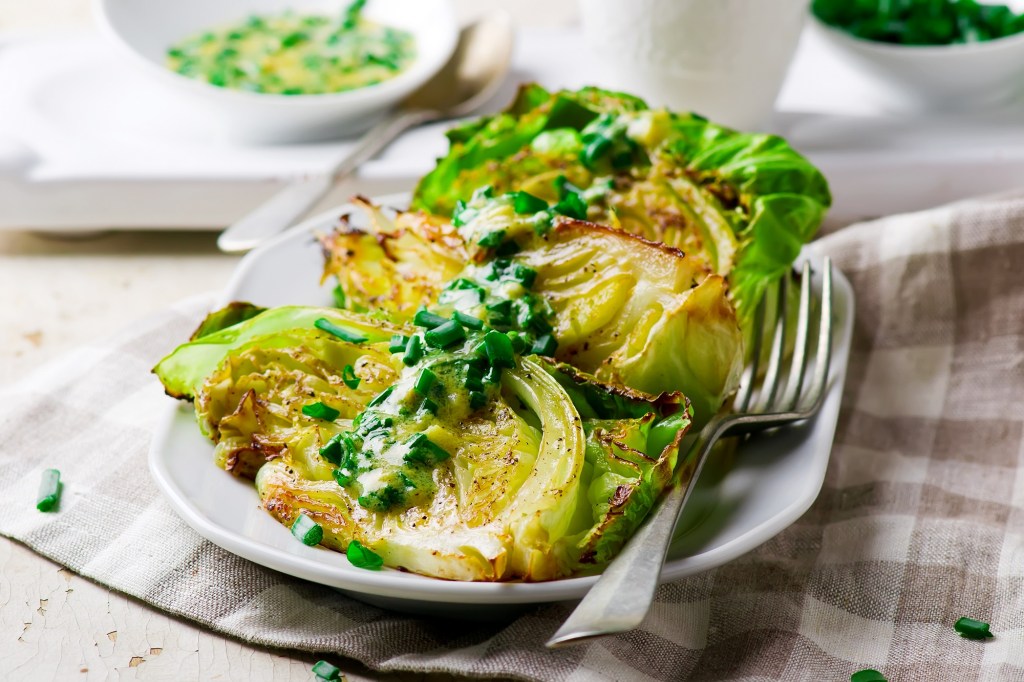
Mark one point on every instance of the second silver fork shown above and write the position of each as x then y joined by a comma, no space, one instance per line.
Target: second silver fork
620,599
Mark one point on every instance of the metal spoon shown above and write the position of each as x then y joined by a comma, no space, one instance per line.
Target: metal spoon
472,75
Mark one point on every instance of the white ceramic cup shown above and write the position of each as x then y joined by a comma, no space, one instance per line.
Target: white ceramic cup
723,59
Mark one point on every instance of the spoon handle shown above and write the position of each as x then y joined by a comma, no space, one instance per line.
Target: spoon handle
294,201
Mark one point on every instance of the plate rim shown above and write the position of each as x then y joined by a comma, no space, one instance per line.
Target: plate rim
398,585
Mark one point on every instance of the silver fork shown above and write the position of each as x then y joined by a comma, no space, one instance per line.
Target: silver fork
620,599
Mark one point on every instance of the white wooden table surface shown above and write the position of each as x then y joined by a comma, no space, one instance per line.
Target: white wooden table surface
57,293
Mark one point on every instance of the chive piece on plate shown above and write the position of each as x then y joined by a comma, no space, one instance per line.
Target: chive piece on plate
526,203
348,375
320,411
425,380
398,343
425,318
382,396
972,629
362,557
445,335
49,490
307,531
468,321
343,333
413,351
499,349
545,345
325,671
477,399
867,675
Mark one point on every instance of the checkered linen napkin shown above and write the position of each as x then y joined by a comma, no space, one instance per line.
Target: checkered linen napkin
919,522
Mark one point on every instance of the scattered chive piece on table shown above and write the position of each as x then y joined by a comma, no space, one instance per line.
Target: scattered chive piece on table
972,629
320,411
307,530
325,671
49,490
361,557
867,675
343,333
348,375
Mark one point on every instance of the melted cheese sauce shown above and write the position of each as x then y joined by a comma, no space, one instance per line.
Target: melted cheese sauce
293,54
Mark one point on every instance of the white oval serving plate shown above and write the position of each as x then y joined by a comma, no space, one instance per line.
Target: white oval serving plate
770,483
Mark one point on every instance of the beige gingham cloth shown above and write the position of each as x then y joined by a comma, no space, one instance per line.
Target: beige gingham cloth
919,522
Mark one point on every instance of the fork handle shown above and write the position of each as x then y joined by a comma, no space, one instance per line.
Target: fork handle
295,200
622,596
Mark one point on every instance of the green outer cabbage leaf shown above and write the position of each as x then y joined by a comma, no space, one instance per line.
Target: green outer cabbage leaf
780,197
183,371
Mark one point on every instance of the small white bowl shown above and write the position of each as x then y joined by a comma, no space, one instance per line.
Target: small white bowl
145,29
937,77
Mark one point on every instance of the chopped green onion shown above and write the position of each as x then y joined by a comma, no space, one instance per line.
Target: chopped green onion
523,274
572,206
509,248
972,629
362,557
326,671
499,349
49,490
413,351
491,239
307,530
381,397
425,381
493,375
468,321
867,675
474,379
343,477
429,406
462,214
518,341
422,450
343,333
425,318
320,411
526,203
348,375
331,451
445,335
477,399
544,345
339,297
369,422
398,343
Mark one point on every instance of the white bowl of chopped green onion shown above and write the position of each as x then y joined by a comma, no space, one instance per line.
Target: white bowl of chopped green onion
936,54
277,71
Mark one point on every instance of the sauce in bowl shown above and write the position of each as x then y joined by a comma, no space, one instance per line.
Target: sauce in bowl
292,54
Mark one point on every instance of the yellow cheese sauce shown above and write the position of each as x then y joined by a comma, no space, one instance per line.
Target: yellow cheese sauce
292,54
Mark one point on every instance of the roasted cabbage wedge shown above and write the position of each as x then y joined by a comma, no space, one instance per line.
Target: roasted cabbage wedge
630,311
543,473
743,203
